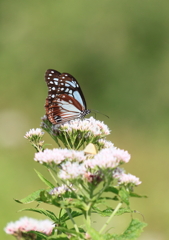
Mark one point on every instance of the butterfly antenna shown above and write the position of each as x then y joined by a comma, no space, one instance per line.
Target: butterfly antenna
96,111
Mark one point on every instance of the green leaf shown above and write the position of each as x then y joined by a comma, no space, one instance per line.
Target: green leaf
103,199
132,232
40,236
66,217
60,237
70,231
49,184
112,190
137,195
124,195
30,198
47,213
108,211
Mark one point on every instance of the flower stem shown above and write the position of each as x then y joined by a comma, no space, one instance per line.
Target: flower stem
80,141
109,219
52,175
74,224
67,142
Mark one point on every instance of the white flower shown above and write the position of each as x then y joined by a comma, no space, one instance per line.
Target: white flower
108,158
58,155
34,133
122,155
90,125
26,224
105,144
72,170
61,190
124,178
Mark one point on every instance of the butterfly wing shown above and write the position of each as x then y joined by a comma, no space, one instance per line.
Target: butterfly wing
65,99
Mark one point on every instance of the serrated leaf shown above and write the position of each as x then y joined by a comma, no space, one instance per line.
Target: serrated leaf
121,211
30,198
108,211
47,213
43,179
132,232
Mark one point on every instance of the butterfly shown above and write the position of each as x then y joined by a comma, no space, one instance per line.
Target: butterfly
65,99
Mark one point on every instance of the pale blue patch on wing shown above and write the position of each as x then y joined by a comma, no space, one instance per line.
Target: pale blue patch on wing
77,96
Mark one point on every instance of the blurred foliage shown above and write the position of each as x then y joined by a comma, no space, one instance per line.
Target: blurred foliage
119,53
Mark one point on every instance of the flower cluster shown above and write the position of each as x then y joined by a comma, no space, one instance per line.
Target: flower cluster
91,126
75,164
57,156
34,133
102,143
108,158
58,191
35,137
129,179
76,133
125,179
25,224
79,164
72,170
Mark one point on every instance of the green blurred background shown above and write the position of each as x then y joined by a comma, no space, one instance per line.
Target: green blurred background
119,53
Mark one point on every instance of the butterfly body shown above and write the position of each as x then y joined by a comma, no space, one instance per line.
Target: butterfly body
65,99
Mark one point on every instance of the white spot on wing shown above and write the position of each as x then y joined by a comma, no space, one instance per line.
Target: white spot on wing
51,82
53,88
53,95
56,79
72,84
52,71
